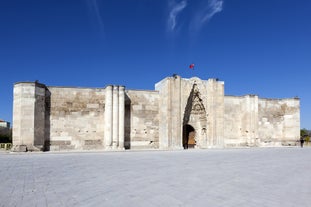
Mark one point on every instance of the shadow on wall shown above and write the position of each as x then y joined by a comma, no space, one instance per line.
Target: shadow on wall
47,130
127,123
188,107
186,127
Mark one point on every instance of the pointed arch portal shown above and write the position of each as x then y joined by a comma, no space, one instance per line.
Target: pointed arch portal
194,121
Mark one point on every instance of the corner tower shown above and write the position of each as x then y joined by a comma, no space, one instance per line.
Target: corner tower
30,111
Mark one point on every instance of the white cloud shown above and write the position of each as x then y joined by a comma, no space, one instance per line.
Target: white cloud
207,10
213,7
175,9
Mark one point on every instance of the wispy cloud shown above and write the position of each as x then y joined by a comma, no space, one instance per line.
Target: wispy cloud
94,10
213,7
175,9
200,12
208,9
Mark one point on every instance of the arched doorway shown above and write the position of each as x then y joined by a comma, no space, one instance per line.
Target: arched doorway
188,136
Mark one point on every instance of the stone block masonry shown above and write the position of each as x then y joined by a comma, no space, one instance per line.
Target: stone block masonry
179,113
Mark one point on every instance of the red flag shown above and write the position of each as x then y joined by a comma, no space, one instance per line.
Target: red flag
191,66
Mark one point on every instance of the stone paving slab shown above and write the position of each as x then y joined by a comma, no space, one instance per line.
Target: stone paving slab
218,177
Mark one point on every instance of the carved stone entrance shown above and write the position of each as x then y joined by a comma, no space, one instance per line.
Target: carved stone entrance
188,136
195,121
190,102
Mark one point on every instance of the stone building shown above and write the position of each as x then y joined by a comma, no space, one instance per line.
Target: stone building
179,113
4,124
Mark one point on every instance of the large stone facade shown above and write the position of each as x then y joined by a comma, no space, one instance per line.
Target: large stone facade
179,113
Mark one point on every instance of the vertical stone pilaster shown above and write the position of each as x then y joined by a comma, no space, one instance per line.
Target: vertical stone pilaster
215,100
175,113
220,113
169,113
115,117
108,117
170,126
164,108
121,116
251,124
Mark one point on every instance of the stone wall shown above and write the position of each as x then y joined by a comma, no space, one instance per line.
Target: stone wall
279,121
4,124
141,119
112,118
76,118
241,121
216,109
251,121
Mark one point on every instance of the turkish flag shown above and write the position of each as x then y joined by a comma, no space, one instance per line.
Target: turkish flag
191,66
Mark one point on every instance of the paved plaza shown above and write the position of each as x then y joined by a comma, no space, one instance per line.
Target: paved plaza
217,177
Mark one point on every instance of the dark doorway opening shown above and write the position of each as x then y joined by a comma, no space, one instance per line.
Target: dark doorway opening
188,136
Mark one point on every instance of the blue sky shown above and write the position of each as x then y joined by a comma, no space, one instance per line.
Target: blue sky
258,47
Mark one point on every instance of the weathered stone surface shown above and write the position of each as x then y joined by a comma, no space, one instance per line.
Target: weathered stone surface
141,119
178,113
279,121
72,119
19,148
